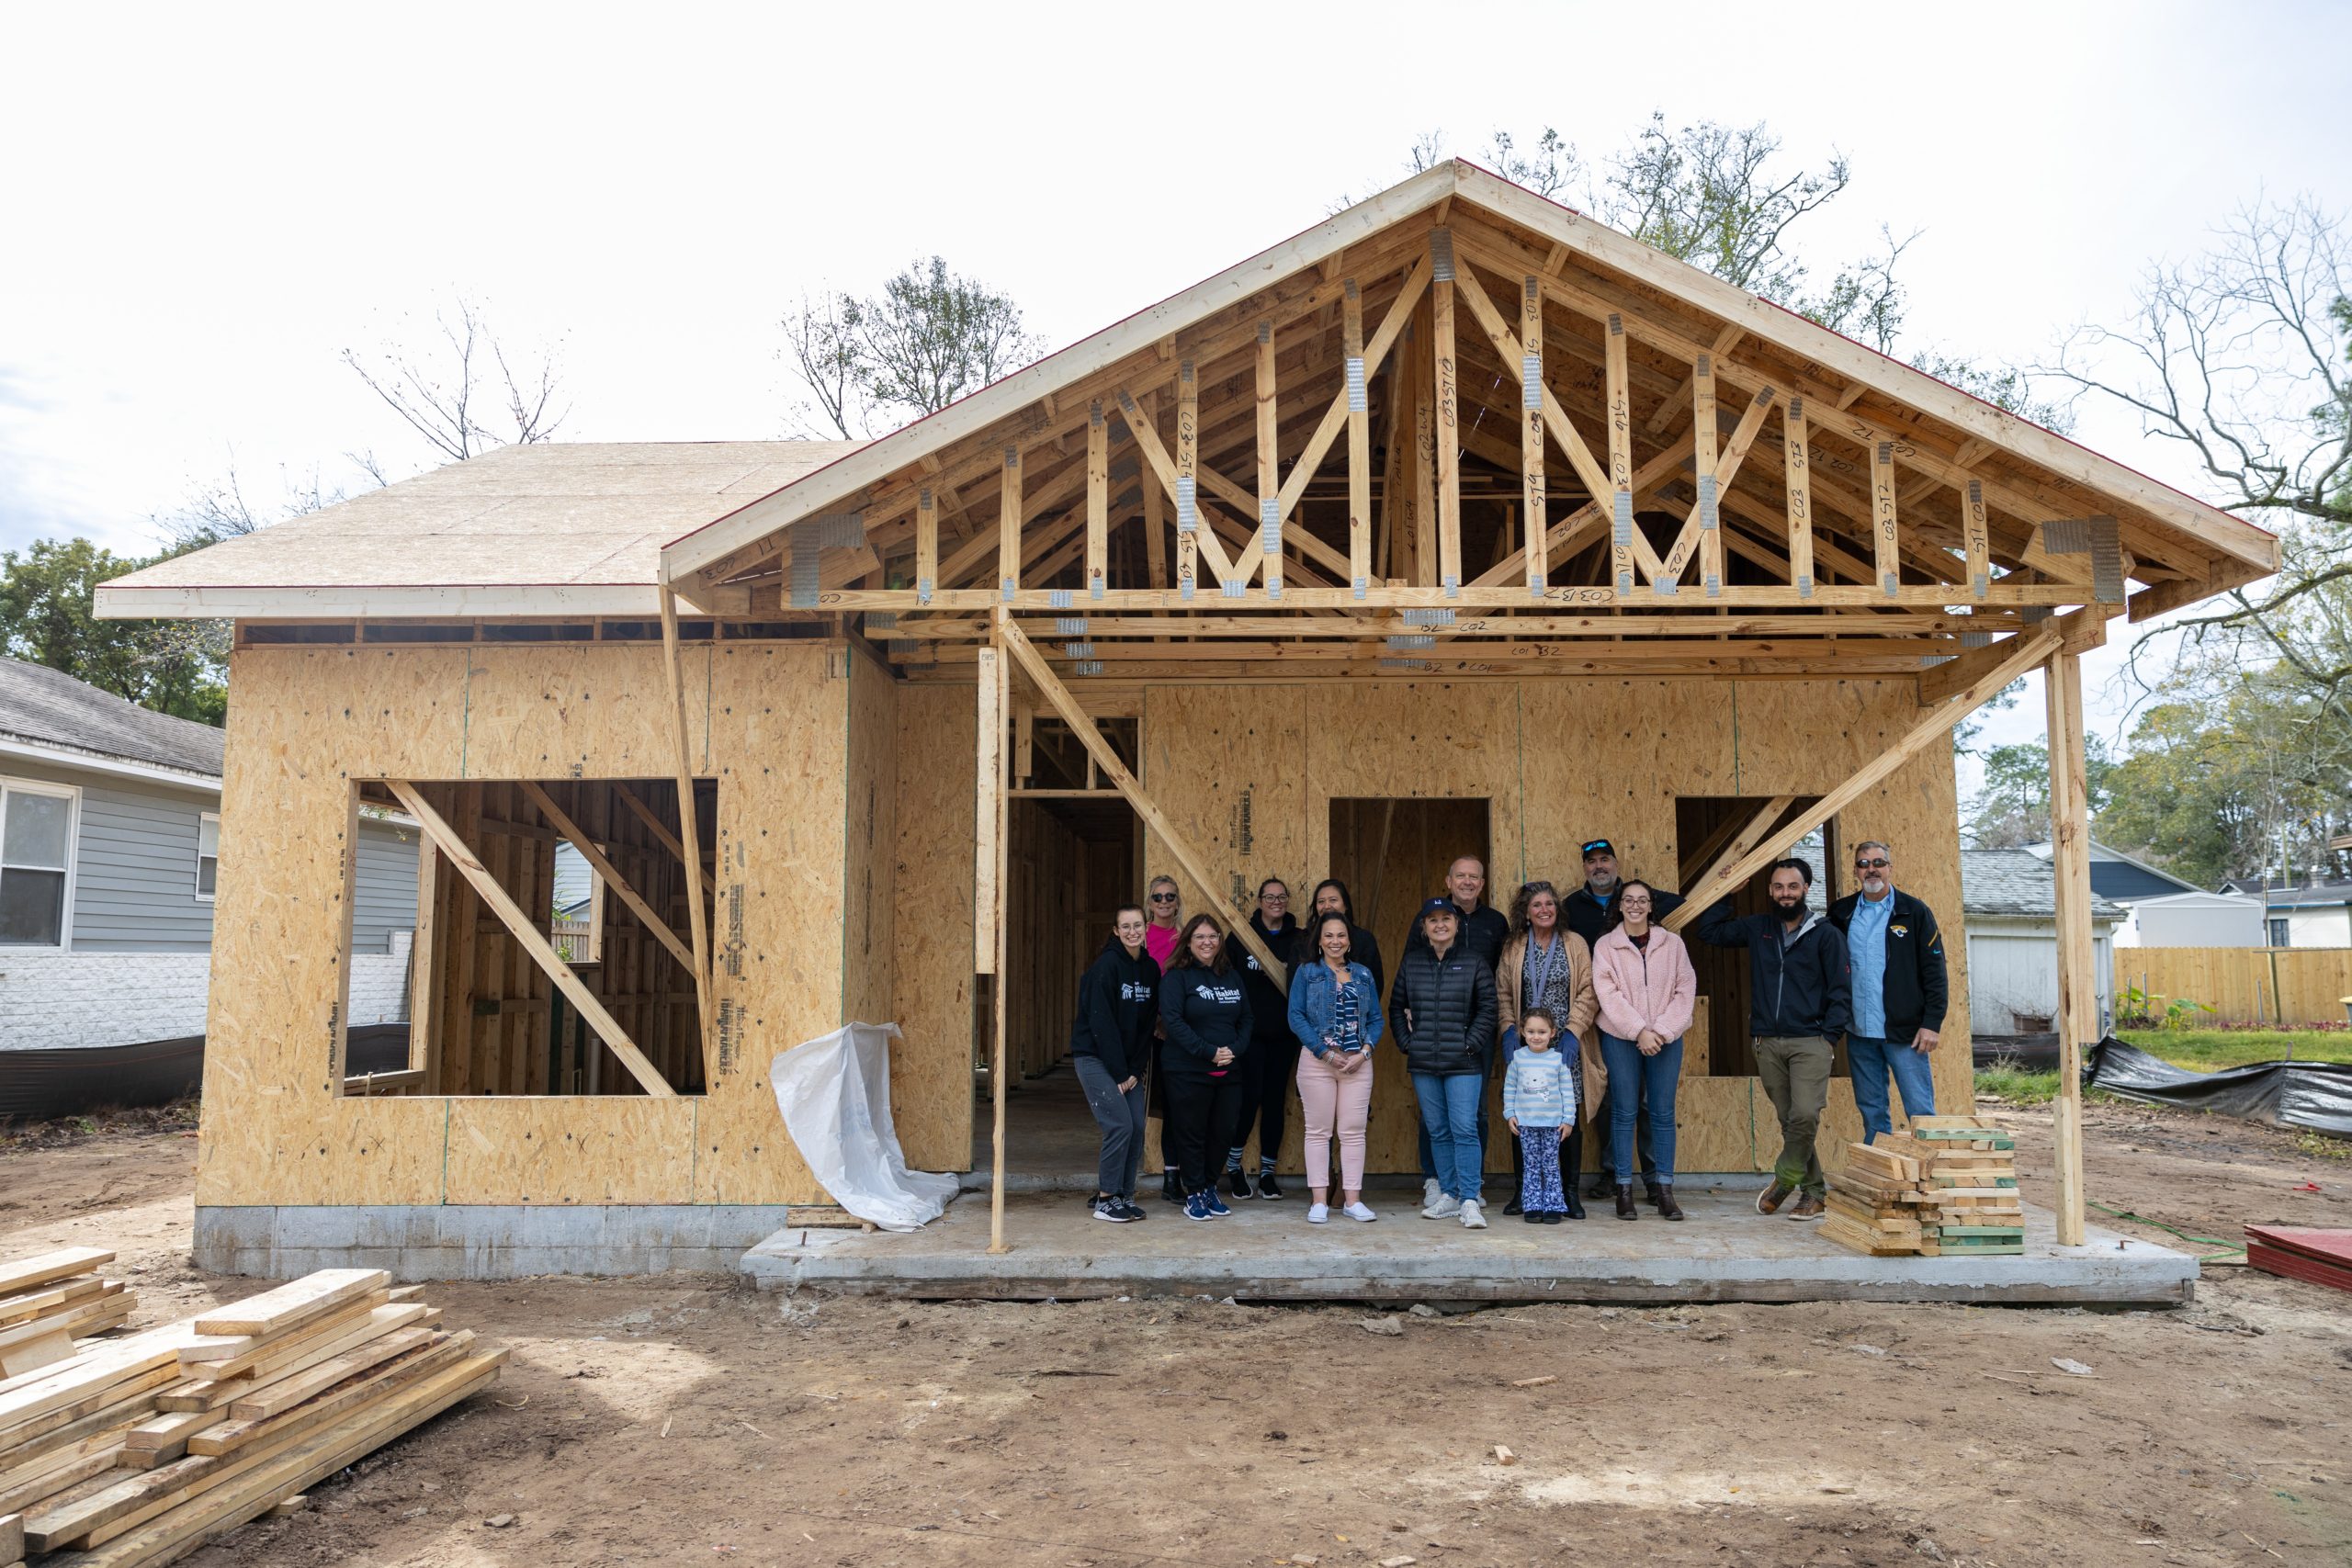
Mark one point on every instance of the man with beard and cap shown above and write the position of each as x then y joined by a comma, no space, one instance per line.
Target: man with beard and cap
1798,1005
1590,911
1895,957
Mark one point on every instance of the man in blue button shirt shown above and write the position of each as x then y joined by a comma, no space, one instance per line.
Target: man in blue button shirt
1900,991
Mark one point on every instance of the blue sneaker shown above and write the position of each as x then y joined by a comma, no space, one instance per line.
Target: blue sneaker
1216,1208
1196,1208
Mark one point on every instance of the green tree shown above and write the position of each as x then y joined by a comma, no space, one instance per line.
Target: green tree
46,618
2011,808
868,364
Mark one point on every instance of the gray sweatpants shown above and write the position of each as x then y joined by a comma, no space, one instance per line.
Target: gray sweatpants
1121,1117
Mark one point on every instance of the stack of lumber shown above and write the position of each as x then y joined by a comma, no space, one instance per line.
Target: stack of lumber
1949,1188
138,1449
2301,1252
50,1301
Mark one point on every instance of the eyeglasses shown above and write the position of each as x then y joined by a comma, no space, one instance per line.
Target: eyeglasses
1870,865
1273,898
1163,898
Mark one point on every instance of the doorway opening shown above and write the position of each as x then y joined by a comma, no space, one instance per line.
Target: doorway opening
1393,855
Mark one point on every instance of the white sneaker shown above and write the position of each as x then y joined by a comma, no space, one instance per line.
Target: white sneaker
1356,1211
1471,1220
1446,1208
1430,1192
1317,1213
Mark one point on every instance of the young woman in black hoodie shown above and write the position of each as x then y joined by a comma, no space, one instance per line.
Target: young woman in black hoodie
1268,1070
1110,1045
1204,1010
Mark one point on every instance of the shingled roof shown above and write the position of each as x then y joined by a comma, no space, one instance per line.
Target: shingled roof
2016,882
49,708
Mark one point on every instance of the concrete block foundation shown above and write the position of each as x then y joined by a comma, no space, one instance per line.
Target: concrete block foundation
481,1241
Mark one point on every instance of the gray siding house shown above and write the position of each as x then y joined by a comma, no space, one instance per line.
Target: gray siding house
109,840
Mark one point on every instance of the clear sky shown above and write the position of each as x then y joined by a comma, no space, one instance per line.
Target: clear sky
200,207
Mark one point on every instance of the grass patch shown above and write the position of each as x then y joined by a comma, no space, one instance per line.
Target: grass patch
2209,1050
2007,1082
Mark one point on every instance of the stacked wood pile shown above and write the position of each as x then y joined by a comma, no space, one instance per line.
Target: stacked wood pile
136,1450
1949,1188
48,1302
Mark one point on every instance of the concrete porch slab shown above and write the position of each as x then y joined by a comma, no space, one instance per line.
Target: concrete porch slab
1725,1252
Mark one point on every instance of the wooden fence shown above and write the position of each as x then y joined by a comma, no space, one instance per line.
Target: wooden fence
2242,985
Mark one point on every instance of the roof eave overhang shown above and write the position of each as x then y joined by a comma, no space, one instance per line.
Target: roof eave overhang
121,601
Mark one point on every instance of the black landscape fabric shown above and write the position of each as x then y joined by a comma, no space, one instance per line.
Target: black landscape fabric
2316,1096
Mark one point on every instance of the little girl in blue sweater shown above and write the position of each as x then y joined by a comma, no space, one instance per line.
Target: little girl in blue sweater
1540,1104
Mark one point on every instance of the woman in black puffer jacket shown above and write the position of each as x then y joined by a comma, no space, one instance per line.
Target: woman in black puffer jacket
1443,1017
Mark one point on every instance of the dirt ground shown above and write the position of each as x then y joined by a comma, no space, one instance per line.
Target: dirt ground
682,1419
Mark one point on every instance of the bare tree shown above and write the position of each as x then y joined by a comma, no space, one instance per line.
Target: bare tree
927,338
463,393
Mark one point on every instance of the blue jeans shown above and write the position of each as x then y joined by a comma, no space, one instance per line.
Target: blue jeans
1450,1113
1871,1061
1651,1078
1428,1154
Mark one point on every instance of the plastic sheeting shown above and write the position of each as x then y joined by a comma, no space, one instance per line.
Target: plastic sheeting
834,1092
2313,1095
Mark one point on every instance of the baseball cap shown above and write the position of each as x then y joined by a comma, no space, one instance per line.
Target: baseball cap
1599,847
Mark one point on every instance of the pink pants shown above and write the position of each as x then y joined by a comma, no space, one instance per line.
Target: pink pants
1329,1097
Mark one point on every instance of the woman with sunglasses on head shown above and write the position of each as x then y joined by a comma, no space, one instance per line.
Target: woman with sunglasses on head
1164,909
1334,1017
1648,991
1267,1070
1204,1008
1547,965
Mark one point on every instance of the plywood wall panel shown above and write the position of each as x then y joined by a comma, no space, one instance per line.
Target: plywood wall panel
930,1067
869,900
611,1149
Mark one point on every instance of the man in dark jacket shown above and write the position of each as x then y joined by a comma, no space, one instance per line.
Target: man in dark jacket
1590,911
1110,1044
1895,957
1797,1006
1486,929
1442,1015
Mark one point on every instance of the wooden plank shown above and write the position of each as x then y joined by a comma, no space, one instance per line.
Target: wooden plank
926,543
289,1391
1704,435
1008,523
2070,867
1184,488
1098,500
1447,388
27,1273
1885,544
1024,654
291,1305
1270,487
689,841
1356,390
1155,524
1941,681
988,769
535,946
1621,459
219,1384
1748,835
997,810
1392,325
1977,537
609,873
1931,727
1537,550
45,1300
1796,462
1512,350
92,1372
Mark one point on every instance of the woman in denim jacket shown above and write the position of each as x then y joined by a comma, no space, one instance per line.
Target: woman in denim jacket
1335,1014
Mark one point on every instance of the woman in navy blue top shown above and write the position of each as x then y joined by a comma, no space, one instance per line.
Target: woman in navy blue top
1204,1011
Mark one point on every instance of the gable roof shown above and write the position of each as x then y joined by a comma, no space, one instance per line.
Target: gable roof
2016,883
581,523
46,710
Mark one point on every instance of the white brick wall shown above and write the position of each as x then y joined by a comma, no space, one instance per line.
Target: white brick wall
62,1000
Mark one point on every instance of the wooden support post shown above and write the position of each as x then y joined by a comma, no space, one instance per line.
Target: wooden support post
1976,536
1359,440
1449,413
2070,867
1931,727
1424,450
1530,432
1796,461
1187,488
1704,438
988,900
1098,498
1024,653
527,936
1008,525
609,873
1882,531
689,830
1269,483
1620,460
926,545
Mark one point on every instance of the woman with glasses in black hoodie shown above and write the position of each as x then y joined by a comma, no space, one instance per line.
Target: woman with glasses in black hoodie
1110,1049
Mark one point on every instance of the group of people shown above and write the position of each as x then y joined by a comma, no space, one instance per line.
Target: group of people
1579,1001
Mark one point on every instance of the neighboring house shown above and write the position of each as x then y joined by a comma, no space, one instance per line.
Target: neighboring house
2164,910
2311,913
110,857
2008,902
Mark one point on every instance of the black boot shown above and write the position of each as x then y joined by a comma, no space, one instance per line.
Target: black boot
1667,1209
1625,1210
1513,1207
1654,1192
1576,1205
1170,1189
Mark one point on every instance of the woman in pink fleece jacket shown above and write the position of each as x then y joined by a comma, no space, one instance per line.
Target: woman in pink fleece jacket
1642,978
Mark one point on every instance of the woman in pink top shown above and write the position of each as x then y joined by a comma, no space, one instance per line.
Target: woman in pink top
1166,912
1643,978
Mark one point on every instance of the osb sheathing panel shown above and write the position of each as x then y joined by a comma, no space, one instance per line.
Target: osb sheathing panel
870,843
1249,771
930,1067
769,720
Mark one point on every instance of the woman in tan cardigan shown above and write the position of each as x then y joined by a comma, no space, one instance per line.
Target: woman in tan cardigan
1545,964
